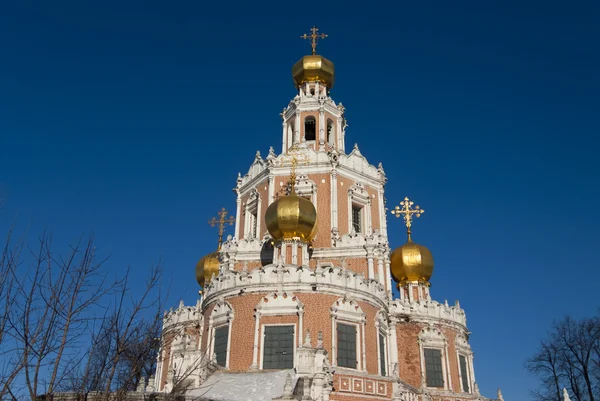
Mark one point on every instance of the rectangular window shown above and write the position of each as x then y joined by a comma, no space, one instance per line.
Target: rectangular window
382,354
433,367
346,346
221,337
463,372
254,225
357,218
278,347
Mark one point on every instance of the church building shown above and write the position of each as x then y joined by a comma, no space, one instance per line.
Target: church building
297,303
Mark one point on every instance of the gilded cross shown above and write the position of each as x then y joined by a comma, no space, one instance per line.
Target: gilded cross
407,212
221,222
314,36
294,151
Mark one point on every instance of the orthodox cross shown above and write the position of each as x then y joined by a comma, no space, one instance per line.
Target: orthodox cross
294,152
407,212
221,222
313,38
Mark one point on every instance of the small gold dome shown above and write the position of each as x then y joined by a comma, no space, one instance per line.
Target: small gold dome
292,216
411,262
206,267
314,68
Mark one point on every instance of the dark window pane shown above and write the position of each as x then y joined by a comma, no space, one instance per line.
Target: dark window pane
221,337
433,367
463,372
346,344
278,350
382,354
357,219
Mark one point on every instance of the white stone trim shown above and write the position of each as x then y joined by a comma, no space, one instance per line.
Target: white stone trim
432,338
221,315
381,329
276,304
359,196
252,212
347,311
463,348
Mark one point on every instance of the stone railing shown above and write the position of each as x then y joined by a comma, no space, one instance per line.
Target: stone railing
428,309
293,278
182,316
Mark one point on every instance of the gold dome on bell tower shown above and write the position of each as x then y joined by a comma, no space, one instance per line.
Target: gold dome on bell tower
292,216
314,68
410,262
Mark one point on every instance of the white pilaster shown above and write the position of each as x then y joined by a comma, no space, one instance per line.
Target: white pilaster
333,343
382,216
271,190
380,270
393,346
297,128
371,269
321,139
284,137
254,365
294,245
334,201
238,215
364,347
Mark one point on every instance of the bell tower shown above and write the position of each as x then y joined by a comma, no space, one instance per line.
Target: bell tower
312,118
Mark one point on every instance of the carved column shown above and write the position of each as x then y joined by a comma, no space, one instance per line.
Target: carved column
382,215
334,200
238,214
380,272
284,137
321,128
297,128
371,269
339,134
364,345
393,345
254,365
271,190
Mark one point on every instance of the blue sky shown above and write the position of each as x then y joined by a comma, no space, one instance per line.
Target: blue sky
132,119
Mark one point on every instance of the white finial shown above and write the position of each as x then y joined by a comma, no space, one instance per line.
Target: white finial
566,395
500,398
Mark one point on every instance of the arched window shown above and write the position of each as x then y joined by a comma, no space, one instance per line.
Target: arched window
310,128
330,132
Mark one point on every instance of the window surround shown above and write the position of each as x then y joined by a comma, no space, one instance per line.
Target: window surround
381,328
252,213
346,311
276,304
221,315
431,337
463,348
358,196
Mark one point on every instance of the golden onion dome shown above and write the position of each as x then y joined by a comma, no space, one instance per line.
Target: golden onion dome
411,262
292,216
206,267
314,68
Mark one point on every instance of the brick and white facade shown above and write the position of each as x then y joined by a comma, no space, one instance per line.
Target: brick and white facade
342,277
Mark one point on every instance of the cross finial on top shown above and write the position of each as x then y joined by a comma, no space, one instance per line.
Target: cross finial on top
314,36
294,151
221,222
407,212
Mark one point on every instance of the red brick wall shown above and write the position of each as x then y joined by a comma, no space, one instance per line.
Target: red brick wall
409,356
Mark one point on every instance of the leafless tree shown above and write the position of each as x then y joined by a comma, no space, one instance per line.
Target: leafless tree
65,326
570,358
